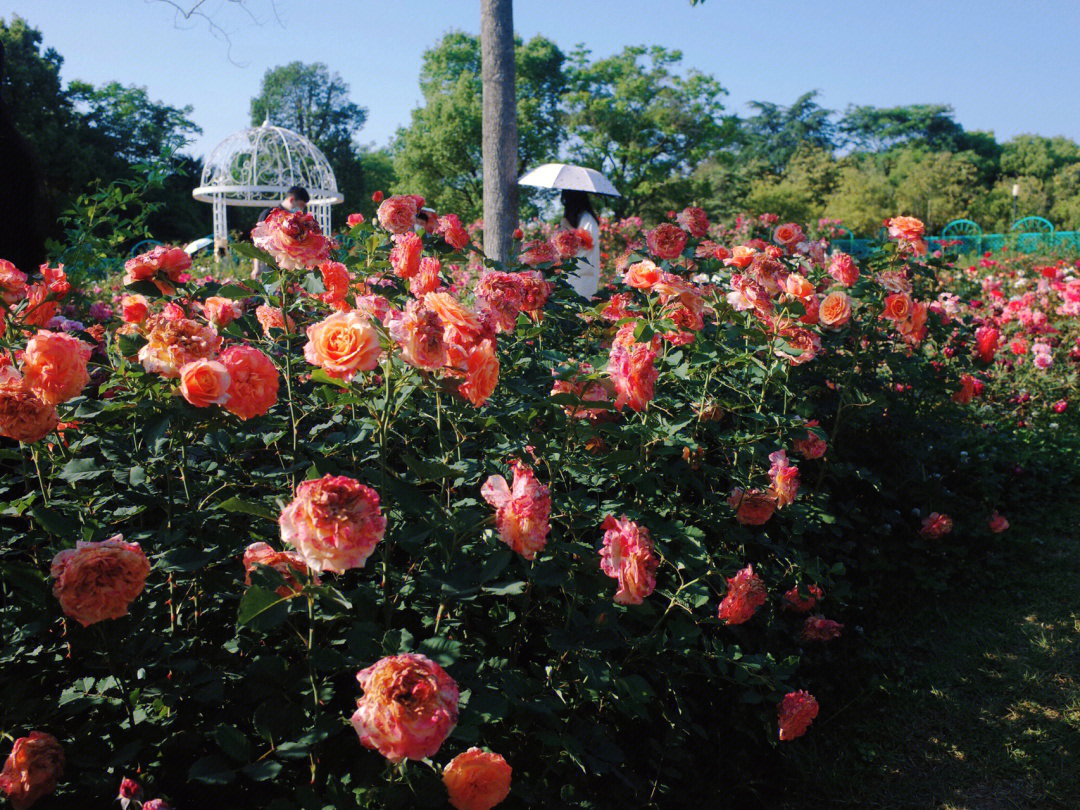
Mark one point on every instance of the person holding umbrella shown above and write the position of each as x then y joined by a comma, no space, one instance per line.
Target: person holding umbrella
577,183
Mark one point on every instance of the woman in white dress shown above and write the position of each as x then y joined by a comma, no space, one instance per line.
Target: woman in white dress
579,214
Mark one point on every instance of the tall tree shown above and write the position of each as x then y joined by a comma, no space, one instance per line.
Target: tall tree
644,125
775,133
500,127
439,154
877,128
314,101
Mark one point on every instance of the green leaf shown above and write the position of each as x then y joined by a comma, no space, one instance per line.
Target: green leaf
320,376
233,742
130,344
509,589
144,287
263,771
262,608
441,650
235,504
235,292
80,469
53,521
252,252
211,770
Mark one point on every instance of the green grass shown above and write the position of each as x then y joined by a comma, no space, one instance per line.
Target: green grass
973,702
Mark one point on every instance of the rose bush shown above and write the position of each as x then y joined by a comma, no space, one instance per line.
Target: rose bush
740,432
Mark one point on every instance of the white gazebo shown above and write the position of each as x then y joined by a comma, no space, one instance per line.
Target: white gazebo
255,167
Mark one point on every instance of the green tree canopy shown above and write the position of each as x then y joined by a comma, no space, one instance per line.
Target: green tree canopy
877,128
439,155
644,125
775,133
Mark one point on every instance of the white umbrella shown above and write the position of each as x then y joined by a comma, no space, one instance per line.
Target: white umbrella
568,176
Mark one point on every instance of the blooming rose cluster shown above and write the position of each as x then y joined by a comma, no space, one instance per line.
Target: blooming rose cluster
522,512
334,522
293,238
795,714
98,581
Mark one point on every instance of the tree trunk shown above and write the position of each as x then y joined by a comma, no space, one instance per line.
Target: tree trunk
500,134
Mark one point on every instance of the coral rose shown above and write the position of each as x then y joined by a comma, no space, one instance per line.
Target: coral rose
795,714
793,600
666,241
936,525
97,581
409,707
481,373
54,366
835,310
897,307
741,256
219,311
627,555
817,628
12,283
398,214
334,522
997,522
336,279
270,318
788,234
906,228
452,312
418,333
500,295
451,230
427,278
987,339
293,238
286,563
800,340
23,417
567,243
173,343
477,780
522,513
695,220
204,383
342,345
253,385
752,508
812,446
843,268
405,254
746,593
32,769
643,275
784,477
537,252
352,220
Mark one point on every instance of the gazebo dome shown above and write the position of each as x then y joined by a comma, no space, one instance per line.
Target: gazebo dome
256,166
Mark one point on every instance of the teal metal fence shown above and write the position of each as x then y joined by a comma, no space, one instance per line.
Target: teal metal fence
1027,235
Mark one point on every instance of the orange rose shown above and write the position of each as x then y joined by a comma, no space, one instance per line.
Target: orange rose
12,283
897,307
452,312
797,286
173,343
97,581
286,563
741,256
253,385
32,769
342,345
405,254
642,275
907,228
54,366
481,373
476,780
204,382
220,311
134,308
835,310
23,417
273,318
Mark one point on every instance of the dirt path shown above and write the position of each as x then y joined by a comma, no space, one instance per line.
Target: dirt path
976,705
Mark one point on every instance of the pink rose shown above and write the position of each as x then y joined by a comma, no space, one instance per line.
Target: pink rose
334,522
522,514
54,366
97,581
666,241
253,381
627,555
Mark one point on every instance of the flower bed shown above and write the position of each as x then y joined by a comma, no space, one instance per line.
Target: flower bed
388,527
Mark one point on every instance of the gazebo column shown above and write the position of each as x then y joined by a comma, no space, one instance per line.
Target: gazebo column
221,227
322,216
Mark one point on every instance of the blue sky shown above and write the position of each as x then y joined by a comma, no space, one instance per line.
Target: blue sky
1005,65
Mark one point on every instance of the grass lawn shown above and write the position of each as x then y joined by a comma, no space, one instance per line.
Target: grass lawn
973,702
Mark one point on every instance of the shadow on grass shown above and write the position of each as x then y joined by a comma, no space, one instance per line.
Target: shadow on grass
975,704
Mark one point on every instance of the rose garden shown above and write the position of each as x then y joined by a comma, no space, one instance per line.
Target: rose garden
395,524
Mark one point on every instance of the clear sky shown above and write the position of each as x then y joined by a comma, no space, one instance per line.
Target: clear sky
1010,66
